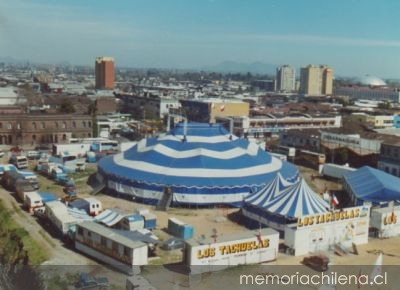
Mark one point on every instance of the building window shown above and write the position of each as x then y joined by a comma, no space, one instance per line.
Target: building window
127,252
9,126
115,246
73,124
64,125
34,138
103,241
56,124
64,137
90,124
84,124
1,125
18,126
43,125
34,125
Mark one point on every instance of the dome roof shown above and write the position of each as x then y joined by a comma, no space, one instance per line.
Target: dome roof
372,81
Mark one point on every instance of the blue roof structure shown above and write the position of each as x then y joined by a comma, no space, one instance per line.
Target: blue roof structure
296,201
201,163
268,192
372,185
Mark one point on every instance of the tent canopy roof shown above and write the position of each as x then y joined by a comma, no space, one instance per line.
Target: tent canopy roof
370,184
196,155
296,201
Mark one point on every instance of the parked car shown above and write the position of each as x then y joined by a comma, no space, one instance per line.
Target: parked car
173,244
317,262
89,282
33,155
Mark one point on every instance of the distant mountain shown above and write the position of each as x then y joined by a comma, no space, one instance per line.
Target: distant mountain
240,67
8,59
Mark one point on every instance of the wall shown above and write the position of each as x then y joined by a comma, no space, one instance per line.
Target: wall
386,220
212,256
346,227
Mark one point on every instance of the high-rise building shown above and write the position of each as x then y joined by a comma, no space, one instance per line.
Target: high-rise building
104,70
316,80
327,81
285,79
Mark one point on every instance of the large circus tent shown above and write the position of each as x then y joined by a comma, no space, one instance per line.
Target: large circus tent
196,164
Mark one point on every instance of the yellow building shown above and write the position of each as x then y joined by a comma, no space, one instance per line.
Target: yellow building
381,121
207,110
316,80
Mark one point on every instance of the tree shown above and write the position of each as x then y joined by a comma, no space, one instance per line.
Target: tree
66,106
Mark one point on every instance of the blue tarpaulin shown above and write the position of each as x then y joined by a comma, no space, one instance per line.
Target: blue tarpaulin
371,185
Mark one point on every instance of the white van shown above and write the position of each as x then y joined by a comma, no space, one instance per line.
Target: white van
19,161
33,201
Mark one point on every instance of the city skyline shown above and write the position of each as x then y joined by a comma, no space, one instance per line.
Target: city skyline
354,38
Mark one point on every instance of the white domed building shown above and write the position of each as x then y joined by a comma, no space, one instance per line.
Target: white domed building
195,164
371,81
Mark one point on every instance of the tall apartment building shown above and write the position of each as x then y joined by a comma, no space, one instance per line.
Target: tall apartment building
316,80
285,79
104,70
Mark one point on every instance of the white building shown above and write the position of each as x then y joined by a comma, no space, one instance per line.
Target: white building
355,142
274,123
285,79
8,96
323,231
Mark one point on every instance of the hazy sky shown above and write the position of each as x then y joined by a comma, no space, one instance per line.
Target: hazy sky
353,37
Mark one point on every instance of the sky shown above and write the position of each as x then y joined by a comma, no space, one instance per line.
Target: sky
354,37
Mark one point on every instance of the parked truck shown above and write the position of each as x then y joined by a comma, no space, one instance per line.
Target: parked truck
22,188
33,200
91,205
11,178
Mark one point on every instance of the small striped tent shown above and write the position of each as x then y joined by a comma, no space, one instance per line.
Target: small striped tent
292,202
268,192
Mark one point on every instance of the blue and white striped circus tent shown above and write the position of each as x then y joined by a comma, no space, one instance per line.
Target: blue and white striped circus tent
268,192
296,200
201,164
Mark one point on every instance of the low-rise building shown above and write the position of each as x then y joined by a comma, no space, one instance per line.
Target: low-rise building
209,109
389,158
21,129
275,123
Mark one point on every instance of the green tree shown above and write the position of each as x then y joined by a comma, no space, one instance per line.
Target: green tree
66,106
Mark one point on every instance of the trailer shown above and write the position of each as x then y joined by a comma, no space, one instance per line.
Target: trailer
76,149
111,247
33,200
57,214
11,178
335,171
22,188
91,205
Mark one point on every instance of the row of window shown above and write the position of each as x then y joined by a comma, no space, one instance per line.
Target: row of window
42,125
388,151
104,242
